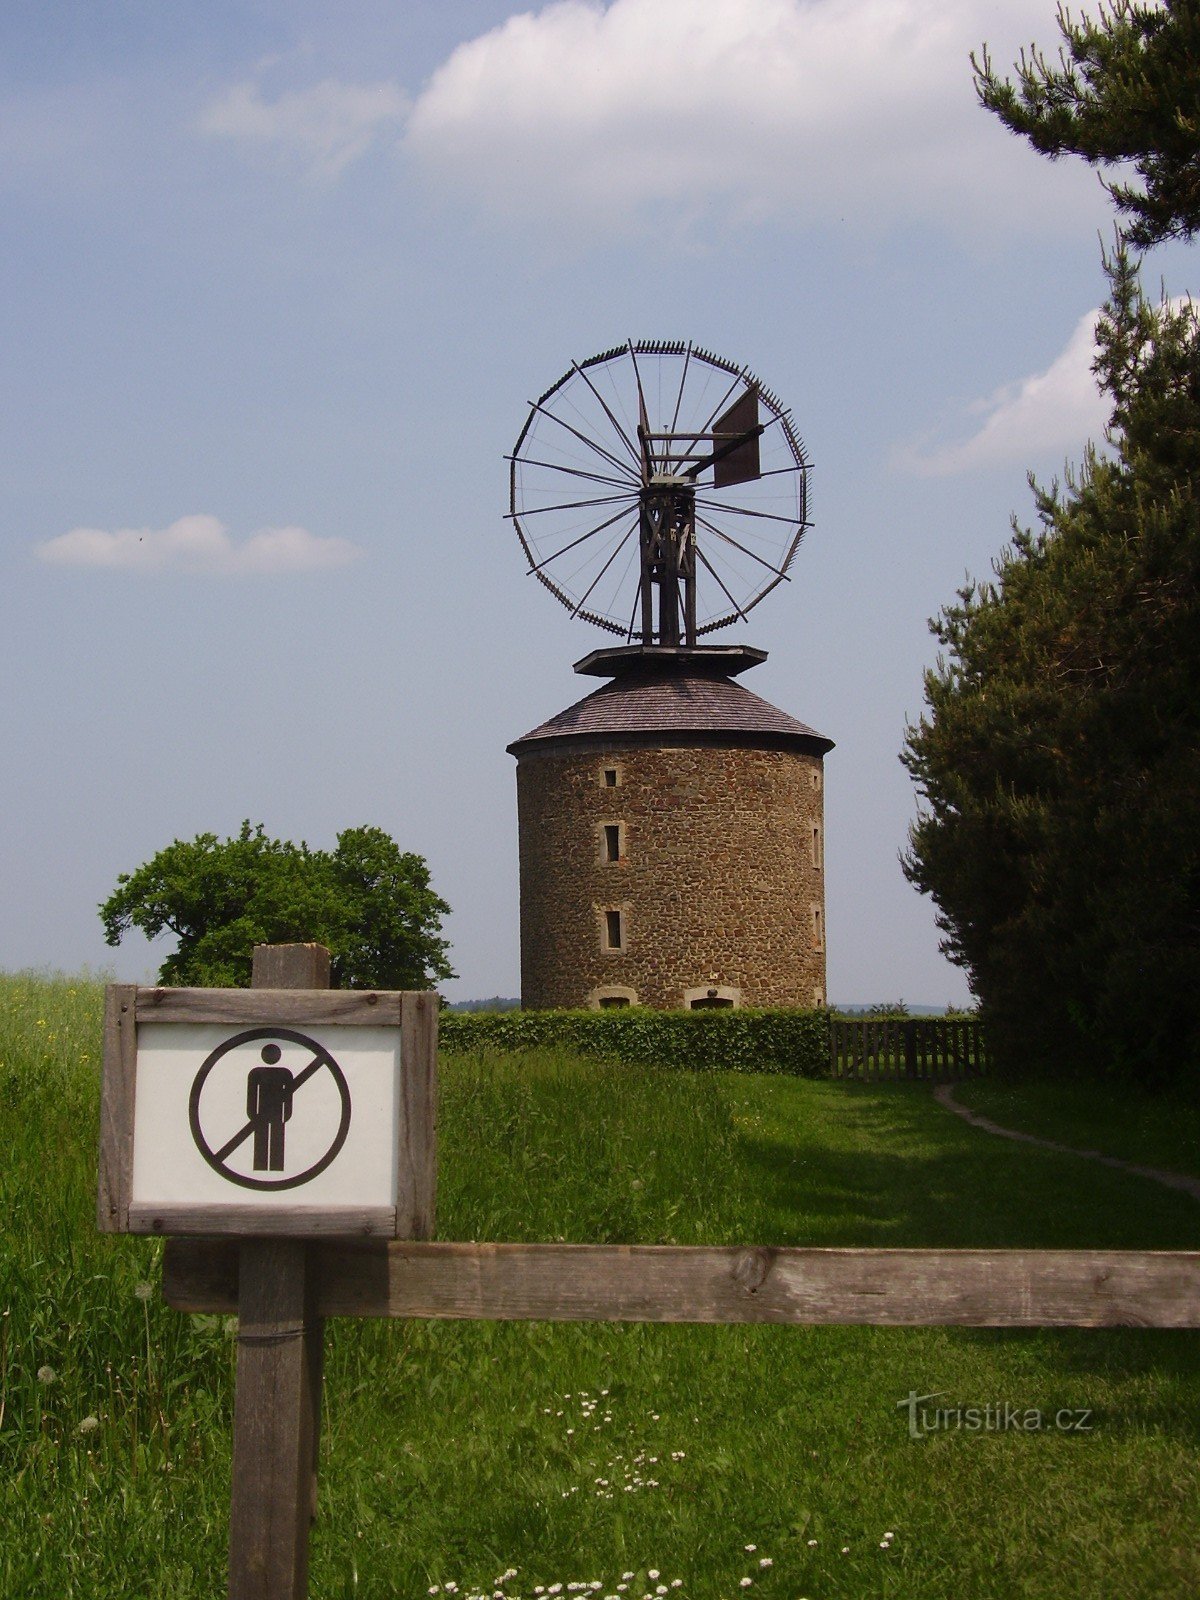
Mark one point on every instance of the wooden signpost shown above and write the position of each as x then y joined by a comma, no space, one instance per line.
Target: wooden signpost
221,1136
275,1116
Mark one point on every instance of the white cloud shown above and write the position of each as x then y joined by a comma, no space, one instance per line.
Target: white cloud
655,110
327,126
1055,412
198,545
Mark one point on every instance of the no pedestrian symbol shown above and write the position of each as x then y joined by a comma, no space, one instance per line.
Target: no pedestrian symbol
269,1108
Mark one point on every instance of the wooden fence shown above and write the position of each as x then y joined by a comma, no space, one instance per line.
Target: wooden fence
934,1049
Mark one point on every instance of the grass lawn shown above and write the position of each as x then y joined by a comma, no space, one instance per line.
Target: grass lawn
704,1462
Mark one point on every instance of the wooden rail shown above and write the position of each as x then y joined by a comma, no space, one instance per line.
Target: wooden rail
929,1049
695,1283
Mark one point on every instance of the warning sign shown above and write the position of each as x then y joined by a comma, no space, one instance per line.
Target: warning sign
265,1116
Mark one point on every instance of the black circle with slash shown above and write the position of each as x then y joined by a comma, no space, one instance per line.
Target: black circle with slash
270,1094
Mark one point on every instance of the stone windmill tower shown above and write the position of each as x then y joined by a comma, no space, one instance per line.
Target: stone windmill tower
671,823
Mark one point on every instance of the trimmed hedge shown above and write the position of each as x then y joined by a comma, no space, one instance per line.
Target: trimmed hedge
734,1040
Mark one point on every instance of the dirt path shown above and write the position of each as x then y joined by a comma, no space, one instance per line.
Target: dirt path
944,1095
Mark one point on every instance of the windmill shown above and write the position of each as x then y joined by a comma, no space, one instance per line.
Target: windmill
671,823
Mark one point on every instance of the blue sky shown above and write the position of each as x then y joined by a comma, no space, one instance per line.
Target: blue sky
279,282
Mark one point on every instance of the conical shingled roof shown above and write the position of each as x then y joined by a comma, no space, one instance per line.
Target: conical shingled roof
676,708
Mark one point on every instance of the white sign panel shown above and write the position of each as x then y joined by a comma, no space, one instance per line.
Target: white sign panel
265,1117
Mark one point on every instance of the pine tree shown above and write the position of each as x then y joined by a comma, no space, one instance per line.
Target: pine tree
1126,88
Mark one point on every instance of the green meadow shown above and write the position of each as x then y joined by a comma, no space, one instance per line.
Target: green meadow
535,1460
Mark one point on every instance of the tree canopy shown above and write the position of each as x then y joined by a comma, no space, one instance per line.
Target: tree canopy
1059,761
368,901
1126,88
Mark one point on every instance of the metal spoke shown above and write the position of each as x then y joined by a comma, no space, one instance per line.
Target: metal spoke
617,548
696,437
797,466
637,600
629,444
583,439
570,505
706,562
729,539
648,459
682,380
599,528
746,511
575,472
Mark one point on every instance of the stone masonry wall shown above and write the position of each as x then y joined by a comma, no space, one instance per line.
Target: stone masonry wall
719,880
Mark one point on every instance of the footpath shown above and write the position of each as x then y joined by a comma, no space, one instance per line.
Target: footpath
944,1095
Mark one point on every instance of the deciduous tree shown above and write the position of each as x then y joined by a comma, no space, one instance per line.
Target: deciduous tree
369,902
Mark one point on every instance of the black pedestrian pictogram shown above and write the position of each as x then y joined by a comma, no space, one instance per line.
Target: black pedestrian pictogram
269,1093
272,1093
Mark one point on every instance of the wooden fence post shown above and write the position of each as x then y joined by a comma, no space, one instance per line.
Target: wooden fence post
277,1405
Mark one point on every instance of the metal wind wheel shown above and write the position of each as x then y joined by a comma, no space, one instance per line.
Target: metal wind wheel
659,491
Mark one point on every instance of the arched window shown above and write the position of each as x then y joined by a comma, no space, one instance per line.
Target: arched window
610,996
711,997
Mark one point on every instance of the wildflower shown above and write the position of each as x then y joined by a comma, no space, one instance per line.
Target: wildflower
811,1542
746,1582
750,1548
143,1291
89,1424
652,1574
766,1561
845,1549
433,1589
889,1536
46,1375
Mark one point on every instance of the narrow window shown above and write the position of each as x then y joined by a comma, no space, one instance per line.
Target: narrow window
816,847
818,933
613,931
610,1002
612,841
712,1001
610,777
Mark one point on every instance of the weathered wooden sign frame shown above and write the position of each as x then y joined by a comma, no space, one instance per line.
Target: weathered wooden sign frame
412,1015
283,1288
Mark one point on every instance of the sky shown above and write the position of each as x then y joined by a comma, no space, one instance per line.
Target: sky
280,280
